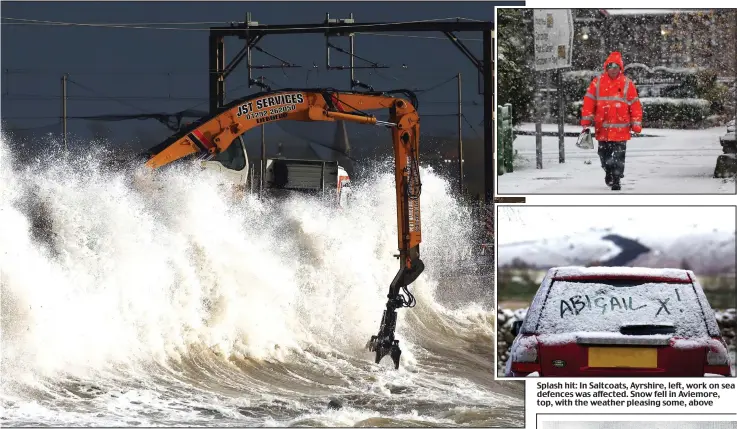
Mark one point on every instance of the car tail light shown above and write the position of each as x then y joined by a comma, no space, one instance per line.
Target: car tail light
525,356
717,360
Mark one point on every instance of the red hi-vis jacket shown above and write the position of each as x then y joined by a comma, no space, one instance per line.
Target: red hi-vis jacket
612,105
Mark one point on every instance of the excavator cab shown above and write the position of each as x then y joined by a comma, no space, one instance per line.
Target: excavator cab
216,142
231,162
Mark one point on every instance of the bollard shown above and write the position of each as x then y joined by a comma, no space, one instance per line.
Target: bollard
499,142
505,137
509,140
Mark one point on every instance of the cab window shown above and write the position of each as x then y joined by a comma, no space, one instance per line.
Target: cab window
232,158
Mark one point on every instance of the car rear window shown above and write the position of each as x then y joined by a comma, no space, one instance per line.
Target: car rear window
623,306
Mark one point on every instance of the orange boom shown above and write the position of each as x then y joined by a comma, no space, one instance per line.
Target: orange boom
212,135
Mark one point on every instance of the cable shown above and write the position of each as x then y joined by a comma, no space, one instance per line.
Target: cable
436,71
410,300
145,27
109,72
464,103
460,18
469,124
411,36
208,99
378,73
41,97
438,85
111,98
339,49
74,24
283,63
133,23
55,124
420,91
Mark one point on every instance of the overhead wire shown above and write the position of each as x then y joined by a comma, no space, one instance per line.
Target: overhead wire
413,36
121,99
43,97
184,97
174,98
86,88
21,21
104,72
450,79
149,26
37,127
38,21
463,115
27,71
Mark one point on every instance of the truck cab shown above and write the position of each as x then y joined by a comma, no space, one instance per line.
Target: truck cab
310,176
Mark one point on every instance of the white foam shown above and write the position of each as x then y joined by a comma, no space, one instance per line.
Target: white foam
145,275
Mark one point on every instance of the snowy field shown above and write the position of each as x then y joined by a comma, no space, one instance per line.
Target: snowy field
670,162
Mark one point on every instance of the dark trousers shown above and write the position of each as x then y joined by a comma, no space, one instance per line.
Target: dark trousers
612,158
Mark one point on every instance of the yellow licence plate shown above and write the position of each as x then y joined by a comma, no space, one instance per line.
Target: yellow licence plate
623,357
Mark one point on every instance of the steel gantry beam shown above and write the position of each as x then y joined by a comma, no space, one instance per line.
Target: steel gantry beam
252,32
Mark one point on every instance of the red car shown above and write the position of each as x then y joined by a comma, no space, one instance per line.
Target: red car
618,321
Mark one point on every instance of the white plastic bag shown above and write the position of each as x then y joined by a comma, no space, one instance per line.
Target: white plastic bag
584,140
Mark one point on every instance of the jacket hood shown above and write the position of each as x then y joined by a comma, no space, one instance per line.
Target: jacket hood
615,57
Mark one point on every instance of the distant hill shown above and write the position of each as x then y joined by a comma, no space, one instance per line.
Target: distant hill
707,252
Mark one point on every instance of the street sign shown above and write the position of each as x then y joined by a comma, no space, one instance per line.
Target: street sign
553,38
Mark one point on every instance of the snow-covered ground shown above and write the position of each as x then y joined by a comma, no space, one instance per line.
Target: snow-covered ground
670,162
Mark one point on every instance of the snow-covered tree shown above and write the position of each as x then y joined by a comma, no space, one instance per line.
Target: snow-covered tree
515,77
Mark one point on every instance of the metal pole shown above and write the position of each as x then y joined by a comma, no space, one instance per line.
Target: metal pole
64,111
460,138
353,76
327,43
561,117
547,96
217,66
488,68
263,156
538,129
249,59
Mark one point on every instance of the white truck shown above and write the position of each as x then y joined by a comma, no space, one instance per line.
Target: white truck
283,175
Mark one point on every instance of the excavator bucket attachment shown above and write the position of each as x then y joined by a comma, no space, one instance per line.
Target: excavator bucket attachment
381,350
384,343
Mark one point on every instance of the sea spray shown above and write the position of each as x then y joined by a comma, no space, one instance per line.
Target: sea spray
166,286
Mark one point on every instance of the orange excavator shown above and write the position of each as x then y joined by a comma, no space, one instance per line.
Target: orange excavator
212,136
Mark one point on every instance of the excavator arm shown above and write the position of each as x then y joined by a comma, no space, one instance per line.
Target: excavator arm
214,134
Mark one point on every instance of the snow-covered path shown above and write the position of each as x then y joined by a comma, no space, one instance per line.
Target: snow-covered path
671,162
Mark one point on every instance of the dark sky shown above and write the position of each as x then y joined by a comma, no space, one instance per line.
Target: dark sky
151,64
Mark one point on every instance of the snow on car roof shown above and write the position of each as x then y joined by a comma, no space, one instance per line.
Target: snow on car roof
670,274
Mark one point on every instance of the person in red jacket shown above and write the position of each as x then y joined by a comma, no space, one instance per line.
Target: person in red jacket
612,106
